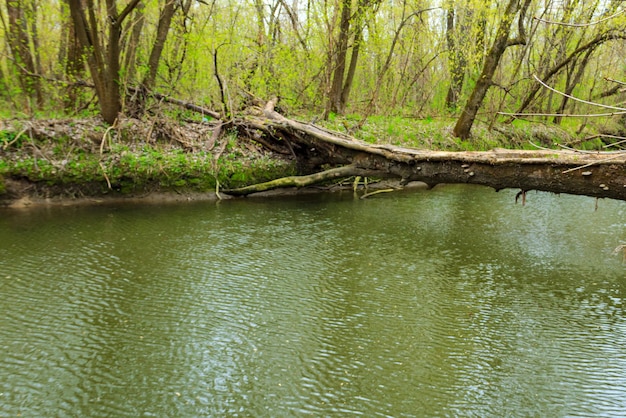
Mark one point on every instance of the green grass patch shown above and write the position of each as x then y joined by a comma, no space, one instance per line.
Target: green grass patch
145,169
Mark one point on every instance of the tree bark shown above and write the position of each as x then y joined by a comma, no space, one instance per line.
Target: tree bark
165,20
103,60
130,56
456,38
492,60
74,63
19,40
334,99
571,83
582,173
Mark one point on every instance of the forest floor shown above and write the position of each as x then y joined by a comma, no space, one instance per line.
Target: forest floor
181,158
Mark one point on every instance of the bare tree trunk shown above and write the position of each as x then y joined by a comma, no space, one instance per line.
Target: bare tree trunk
103,60
334,99
456,58
4,91
466,120
74,63
131,50
165,20
572,82
356,49
19,39
347,86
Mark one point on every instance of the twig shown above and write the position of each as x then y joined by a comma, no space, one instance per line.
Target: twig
104,138
220,83
615,81
182,103
582,151
539,146
613,144
217,131
8,144
580,25
105,174
593,163
589,138
564,115
366,195
569,96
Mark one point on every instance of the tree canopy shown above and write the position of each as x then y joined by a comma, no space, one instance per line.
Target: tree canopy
467,59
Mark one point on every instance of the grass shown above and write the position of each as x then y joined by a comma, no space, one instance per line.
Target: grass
133,168
435,133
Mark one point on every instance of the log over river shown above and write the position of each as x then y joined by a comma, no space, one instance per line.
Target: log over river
599,174
449,302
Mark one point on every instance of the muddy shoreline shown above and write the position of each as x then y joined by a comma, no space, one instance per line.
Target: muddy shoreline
24,195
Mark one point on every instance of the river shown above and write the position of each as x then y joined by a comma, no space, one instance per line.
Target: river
450,302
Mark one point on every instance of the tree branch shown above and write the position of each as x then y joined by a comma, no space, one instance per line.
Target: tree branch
565,115
621,109
521,36
580,25
129,8
302,181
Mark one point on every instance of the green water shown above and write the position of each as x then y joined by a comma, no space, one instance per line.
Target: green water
450,302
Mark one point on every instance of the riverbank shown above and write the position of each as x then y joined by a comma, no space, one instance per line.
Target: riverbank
77,161
83,161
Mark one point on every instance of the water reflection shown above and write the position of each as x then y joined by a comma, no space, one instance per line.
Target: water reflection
450,302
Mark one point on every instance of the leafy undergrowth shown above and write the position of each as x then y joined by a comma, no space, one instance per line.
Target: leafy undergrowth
87,158
436,133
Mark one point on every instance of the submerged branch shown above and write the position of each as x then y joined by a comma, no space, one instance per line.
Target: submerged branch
300,181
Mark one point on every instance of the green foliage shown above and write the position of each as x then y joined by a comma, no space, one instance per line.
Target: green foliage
134,171
8,138
291,54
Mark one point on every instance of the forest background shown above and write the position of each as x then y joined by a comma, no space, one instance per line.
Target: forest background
450,64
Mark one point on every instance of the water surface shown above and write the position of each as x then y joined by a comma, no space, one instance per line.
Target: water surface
450,302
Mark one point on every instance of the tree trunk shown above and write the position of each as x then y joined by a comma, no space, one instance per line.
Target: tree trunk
485,80
572,82
347,86
19,39
334,99
74,63
165,20
456,59
583,173
4,90
130,56
103,60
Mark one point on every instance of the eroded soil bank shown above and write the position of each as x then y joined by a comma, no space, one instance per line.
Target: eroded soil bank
82,161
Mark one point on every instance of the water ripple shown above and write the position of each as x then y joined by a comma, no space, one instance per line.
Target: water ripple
446,303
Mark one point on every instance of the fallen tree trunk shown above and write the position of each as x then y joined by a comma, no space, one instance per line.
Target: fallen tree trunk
574,172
